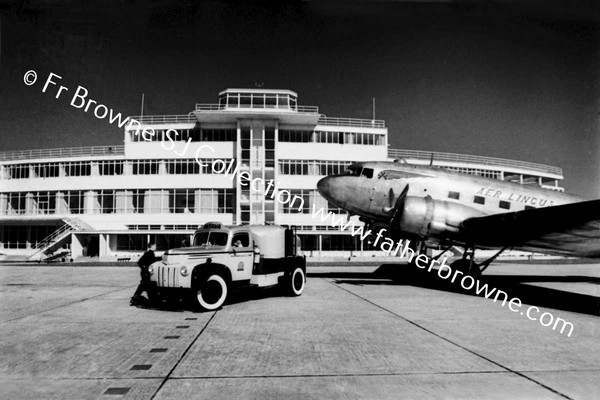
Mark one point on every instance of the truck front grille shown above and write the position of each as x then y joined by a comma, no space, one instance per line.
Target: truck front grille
168,276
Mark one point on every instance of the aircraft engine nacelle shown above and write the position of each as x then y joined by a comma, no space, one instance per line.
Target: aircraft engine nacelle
423,216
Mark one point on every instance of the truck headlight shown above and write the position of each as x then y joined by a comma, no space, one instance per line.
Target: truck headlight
151,269
183,270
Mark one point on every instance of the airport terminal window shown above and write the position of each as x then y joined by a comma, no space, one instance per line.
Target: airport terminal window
295,136
300,201
184,167
181,200
309,242
16,203
218,135
75,200
504,204
339,243
479,200
37,233
110,167
78,168
48,170
454,195
106,201
18,171
137,198
44,202
329,137
213,201
15,237
312,167
145,167
367,139
194,135
132,242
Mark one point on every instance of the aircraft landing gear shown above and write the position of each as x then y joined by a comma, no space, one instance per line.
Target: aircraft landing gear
468,266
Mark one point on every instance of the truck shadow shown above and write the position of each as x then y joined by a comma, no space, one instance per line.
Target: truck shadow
521,286
235,296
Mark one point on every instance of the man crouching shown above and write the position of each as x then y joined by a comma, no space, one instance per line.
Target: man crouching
147,259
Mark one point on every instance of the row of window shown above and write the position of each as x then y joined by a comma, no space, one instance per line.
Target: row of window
481,200
139,227
257,100
172,167
312,167
53,170
182,135
294,136
115,167
19,236
210,201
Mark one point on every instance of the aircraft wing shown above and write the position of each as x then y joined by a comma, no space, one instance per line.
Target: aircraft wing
569,230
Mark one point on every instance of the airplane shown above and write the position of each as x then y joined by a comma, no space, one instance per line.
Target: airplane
435,207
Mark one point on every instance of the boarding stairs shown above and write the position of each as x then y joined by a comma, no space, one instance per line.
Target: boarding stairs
46,248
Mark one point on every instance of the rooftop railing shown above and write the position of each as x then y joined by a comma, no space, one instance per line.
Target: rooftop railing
354,122
323,120
452,157
163,119
63,152
291,108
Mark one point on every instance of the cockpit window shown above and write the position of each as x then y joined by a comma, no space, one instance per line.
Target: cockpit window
354,171
210,238
360,171
367,172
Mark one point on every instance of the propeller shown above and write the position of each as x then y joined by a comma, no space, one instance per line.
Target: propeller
398,208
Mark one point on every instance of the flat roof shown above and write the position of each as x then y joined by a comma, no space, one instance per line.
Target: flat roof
259,90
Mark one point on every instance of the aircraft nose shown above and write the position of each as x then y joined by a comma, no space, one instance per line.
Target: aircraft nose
324,187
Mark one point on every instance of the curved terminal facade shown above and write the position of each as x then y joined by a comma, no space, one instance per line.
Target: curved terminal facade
254,157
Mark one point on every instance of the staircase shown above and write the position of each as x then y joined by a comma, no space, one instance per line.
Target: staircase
57,239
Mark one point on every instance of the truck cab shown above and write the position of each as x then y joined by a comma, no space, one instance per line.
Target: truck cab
222,257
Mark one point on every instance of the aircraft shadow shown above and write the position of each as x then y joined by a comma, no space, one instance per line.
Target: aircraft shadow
514,285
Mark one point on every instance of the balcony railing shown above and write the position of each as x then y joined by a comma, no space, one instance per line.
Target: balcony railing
452,157
163,119
63,152
290,108
354,122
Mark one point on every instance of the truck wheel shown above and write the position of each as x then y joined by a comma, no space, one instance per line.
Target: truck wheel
296,282
212,292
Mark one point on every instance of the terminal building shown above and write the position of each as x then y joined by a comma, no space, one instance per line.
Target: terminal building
175,172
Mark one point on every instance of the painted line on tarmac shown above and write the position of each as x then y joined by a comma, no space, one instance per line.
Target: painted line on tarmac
183,355
450,341
67,304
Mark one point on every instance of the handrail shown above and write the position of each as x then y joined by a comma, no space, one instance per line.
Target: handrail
50,238
225,107
453,157
162,119
63,152
355,122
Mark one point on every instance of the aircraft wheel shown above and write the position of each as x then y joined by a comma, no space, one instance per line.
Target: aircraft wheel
295,282
212,292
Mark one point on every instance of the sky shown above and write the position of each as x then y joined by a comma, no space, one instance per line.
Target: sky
499,78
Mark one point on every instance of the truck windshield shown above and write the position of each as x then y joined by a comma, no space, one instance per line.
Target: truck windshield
210,239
